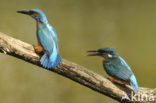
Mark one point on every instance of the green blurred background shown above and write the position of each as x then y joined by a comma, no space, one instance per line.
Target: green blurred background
129,26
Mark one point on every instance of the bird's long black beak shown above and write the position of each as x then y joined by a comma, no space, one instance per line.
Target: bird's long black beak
24,12
93,53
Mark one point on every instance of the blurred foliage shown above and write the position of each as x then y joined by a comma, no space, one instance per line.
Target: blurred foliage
81,25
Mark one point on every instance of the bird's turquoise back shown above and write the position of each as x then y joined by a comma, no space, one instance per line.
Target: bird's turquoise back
118,68
48,39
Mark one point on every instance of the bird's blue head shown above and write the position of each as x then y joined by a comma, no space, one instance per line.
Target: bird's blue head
37,14
107,53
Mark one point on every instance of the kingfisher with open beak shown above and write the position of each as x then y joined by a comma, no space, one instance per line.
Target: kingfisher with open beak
47,39
116,67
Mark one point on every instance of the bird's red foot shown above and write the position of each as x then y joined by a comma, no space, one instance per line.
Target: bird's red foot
38,50
34,47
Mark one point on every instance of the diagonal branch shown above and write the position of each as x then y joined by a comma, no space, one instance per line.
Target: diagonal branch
77,73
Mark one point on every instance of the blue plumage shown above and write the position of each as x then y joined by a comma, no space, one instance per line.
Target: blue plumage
116,67
133,80
134,83
46,62
47,39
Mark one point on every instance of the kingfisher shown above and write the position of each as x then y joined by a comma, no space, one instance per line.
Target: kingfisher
116,67
46,38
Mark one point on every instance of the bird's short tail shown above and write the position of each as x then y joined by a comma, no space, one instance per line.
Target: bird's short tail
134,83
47,63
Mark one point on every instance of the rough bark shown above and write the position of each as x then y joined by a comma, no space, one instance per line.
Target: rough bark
75,72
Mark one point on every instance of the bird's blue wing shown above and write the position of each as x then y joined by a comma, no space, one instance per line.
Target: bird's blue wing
124,63
47,38
53,32
119,69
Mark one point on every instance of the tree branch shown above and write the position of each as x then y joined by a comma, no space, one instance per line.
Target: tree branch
94,81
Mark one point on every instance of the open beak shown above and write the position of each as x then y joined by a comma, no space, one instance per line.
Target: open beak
93,53
24,12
